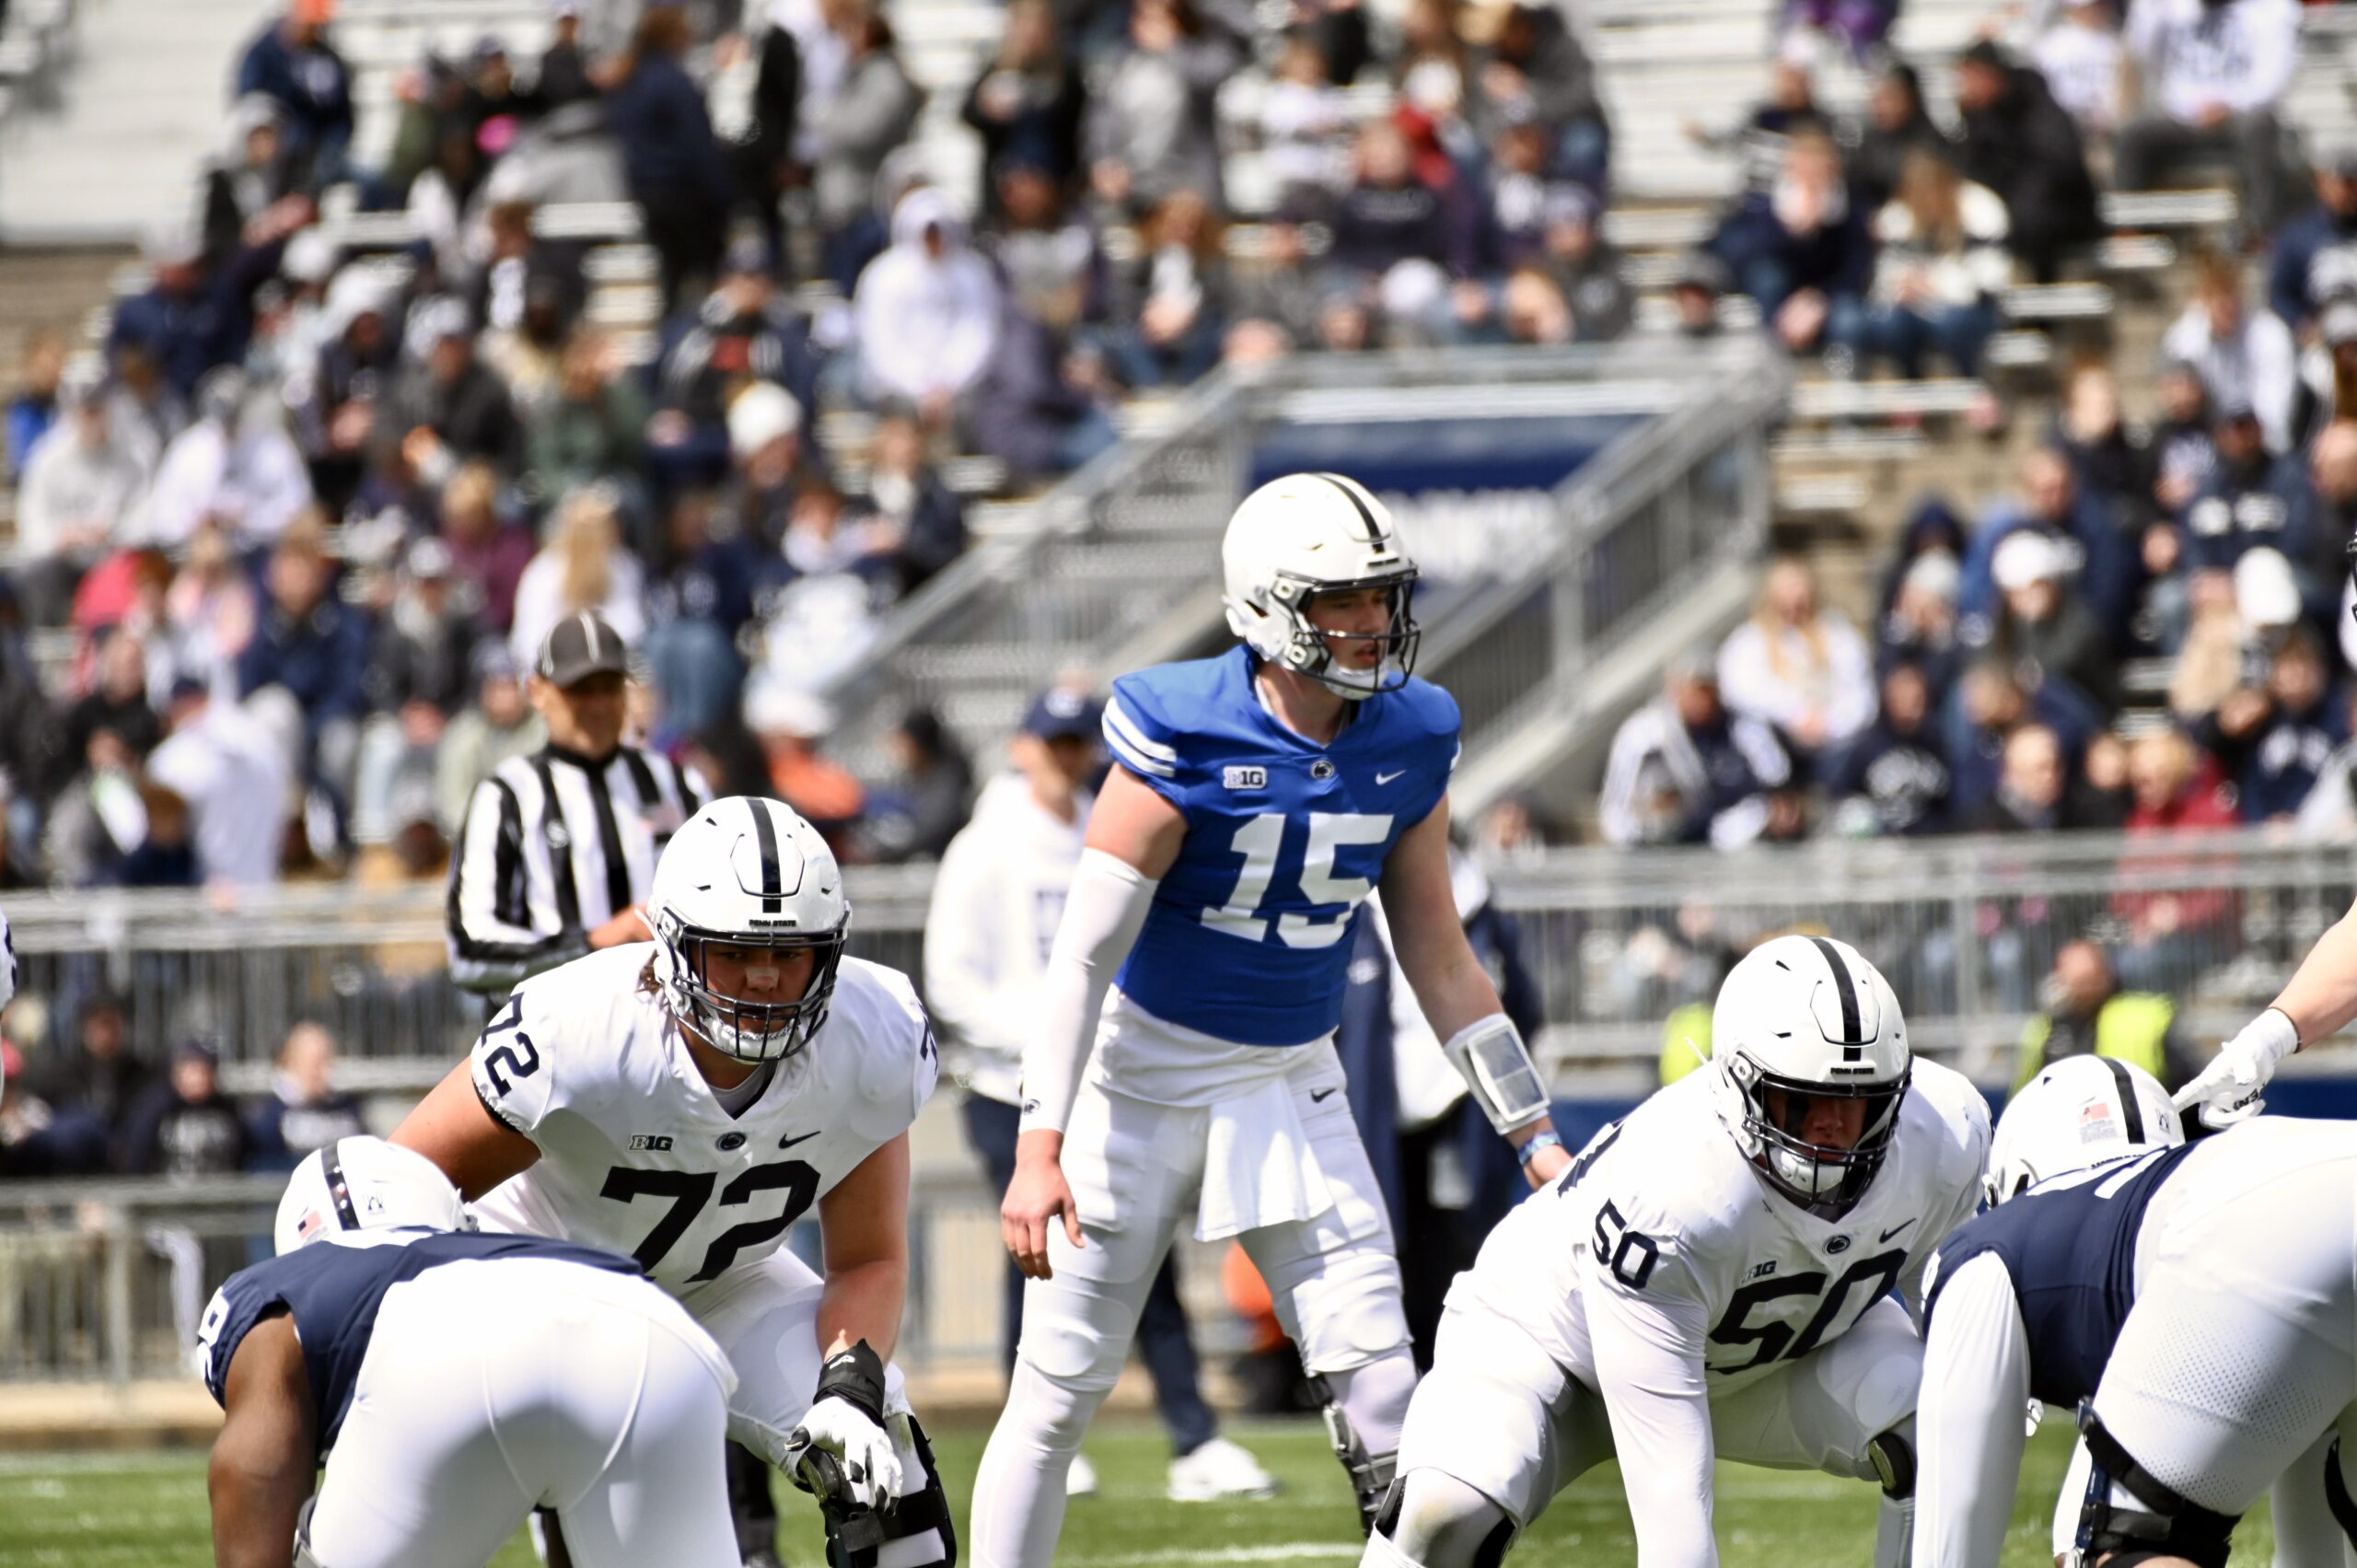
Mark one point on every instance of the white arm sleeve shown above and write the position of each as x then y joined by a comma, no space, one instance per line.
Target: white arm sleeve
1648,1351
2072,1500
1102,916
1970,1419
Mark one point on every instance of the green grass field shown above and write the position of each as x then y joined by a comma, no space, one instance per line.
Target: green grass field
116,1511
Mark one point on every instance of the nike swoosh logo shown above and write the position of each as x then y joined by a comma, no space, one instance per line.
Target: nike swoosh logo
1317,1095
789,1142
1385,778
1894,1231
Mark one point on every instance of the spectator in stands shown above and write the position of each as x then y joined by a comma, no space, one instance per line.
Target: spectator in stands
706,585
1035,408
527,305
2274,738
1515,195
488,549
35,1138
2182,450
1388,215
252,172
741,335
1695,290
1896,128
678,175
1940,269
2332,501
758,69
792,725
921,518
2080,55
34,407
2088,1014
1532,310
116,704
305,1111
1151,127
1304,127
1920,628
80,486
448,407
2253,500
765,440
2244,355
1536,68
1047,253
2217,70
2327,374
873,113
582,568
2178,792
233,773
1684,769
1584,266
1170,303
186,1127
420,672
1987,706
2052,502
2043,630
593,426
311,648
2033,792
928,310
932,796
1892,779
498,725
2108,460
1800,248
2236,618
2099,795
1028,104
2019,143
2315,259
99,1077
294,64
563,74
358,358
825,537
1798,666
234,467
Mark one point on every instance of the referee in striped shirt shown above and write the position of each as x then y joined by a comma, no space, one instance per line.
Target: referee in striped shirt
559,847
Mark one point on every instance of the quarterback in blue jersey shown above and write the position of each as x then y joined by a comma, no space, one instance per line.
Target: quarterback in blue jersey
1182,1066
452,1380
2194,1302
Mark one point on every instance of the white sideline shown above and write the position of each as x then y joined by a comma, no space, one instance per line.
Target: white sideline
1282,1552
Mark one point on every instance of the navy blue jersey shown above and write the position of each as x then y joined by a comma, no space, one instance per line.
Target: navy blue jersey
2069,1246
333,1292
1247,937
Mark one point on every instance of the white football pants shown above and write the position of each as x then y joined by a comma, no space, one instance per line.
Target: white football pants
492,1389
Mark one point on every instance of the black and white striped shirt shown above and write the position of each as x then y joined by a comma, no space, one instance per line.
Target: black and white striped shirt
554,846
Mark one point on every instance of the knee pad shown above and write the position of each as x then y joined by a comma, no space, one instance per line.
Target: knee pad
1442,1521
2335,1494
1892,1454
2162,1524
1371,1473
1351,1314
1053,1412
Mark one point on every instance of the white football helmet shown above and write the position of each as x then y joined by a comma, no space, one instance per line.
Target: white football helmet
748,872
354,1184
2078,1112
1303,535
1800,1020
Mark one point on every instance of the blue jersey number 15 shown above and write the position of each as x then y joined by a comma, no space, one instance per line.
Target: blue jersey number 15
1259,841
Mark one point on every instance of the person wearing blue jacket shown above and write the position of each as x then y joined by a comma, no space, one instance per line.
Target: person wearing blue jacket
678,173
314,647
1800,248
2316,253
294,64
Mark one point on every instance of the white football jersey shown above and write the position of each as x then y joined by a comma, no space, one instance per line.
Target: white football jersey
1662,1207
638,1155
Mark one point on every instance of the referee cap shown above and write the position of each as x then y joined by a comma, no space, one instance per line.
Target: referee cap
580,646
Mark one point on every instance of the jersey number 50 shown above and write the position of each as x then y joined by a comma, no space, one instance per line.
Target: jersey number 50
1261,840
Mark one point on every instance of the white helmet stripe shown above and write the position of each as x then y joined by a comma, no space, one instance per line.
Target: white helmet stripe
2131,1115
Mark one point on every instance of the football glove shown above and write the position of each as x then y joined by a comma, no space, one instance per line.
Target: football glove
845,1423
2230,1088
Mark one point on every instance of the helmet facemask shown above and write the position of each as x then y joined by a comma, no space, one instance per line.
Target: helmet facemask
1824,1179
1308,650
749,1031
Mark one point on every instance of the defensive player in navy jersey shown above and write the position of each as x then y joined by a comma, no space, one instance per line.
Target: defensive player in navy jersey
1183,1069
454,1380
2194,1301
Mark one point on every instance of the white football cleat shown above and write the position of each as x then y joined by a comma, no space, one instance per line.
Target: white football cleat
1081,1479
1219,1471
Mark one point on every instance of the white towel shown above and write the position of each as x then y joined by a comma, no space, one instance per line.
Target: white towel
1258,1168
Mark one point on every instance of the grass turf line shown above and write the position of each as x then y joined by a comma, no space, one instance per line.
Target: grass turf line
149,1511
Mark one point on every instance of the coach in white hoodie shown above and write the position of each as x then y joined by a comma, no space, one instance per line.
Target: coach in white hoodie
996,903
